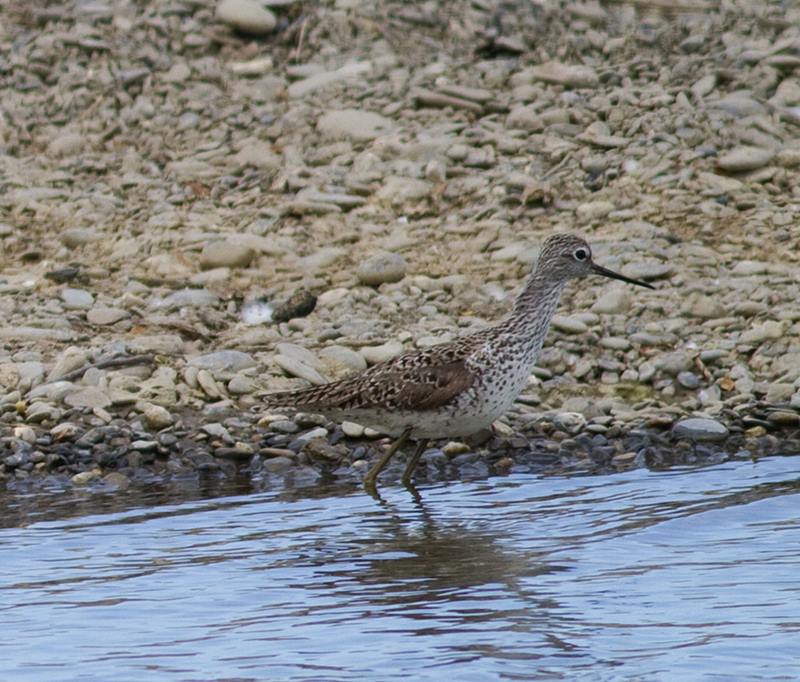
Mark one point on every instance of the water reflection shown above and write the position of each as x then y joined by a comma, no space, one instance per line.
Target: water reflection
592,577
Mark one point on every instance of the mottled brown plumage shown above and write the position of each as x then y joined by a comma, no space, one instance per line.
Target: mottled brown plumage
460,387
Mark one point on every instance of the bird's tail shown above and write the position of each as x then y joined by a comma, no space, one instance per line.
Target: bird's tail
304,397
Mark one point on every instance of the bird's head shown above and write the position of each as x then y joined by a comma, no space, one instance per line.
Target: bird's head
567,256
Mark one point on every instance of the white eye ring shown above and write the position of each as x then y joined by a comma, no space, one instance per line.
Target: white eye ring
580,254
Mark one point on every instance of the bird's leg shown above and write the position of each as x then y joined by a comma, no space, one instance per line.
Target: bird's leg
412,463
372,474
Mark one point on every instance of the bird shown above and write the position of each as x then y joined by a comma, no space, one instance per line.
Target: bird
457,388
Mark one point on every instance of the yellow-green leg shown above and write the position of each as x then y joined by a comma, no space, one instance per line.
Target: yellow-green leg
372,474
411,467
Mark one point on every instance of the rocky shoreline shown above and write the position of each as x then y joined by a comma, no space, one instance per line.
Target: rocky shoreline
200,205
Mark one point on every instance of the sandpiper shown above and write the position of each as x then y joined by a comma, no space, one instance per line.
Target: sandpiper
461,387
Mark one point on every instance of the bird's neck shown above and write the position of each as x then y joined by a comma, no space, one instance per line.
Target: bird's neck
534,309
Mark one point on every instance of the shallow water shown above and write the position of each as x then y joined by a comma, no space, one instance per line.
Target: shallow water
639,576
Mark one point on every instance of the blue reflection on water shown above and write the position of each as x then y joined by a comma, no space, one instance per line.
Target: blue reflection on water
641,575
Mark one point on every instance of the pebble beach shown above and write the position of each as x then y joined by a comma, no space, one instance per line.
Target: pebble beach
203,203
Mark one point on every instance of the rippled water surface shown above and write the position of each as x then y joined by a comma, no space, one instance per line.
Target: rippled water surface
685,574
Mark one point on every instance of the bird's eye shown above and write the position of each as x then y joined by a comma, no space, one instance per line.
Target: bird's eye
580,254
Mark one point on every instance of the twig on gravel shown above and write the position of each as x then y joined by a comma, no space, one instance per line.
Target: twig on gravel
296,55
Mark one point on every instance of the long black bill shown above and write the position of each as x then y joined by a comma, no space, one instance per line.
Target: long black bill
600,270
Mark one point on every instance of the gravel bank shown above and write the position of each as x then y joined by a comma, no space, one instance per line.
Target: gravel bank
201,204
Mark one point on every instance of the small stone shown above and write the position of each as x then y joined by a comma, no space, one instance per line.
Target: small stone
705,307
241,385
341,356
277,465
324,79
744,159
352,430
615,343
39,412
117,480
624,459
594,210
766,331
778,393
739,104
688,380
376,354
162,344
700,429
784,417
78,236
301,303
299,369
354,124
25,433
247,16
648,271
207,383
569,325
254,67
318,432
398,190
614,301
88,397
177,73
227,253
257,154
525,118
67,144
65,431
223,361
571,75
218,431
319,449
284,426
143,445
76,299
747,268
157,417
86,477
571,422
70,359
103,315
186,298
675,362
382,268
454,448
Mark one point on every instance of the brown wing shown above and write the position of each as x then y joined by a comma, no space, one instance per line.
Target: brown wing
432,387
420,379
418,388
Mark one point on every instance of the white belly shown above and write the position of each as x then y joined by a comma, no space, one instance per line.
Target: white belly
487,400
